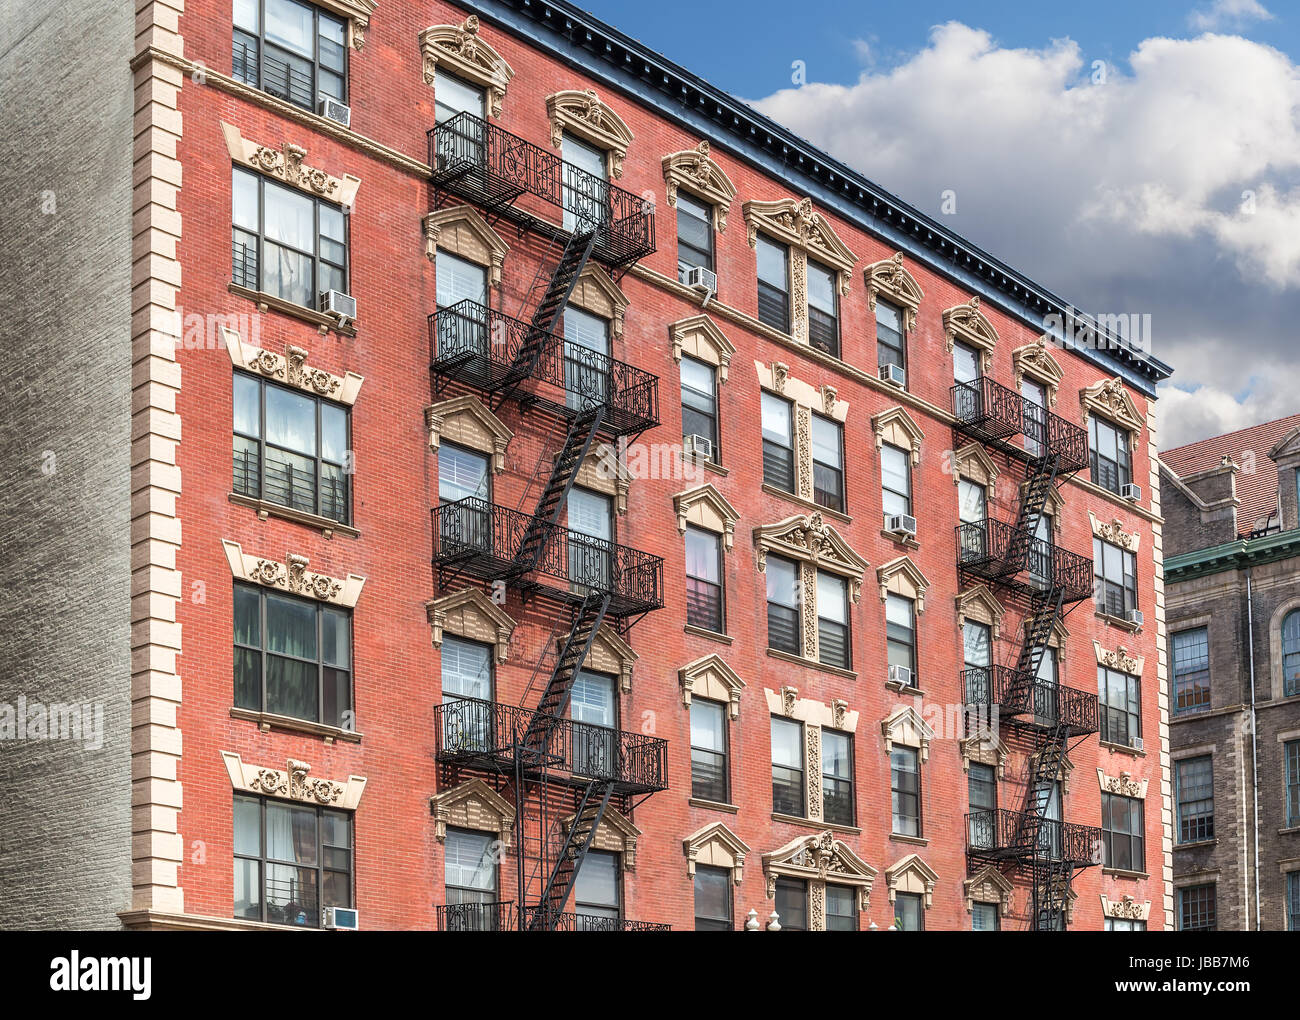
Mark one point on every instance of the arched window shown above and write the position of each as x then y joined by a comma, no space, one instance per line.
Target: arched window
1291,653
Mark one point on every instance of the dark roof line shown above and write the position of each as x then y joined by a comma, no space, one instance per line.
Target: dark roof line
886,214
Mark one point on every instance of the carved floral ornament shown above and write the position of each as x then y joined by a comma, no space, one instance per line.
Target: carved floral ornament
693,170
465,54
798,224
1036,361
891,278
837,714
293,782
1112,531
1119,659
969,323
291,368
286,165
292,576
1111,400
820,858
1126,908
357,12
810,539
1123,784
582,113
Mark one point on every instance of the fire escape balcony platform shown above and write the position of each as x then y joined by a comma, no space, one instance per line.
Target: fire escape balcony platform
481,539
1029,703
999,554
1001,418
998,835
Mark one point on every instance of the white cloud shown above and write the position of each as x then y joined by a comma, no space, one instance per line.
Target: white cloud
1172,190
1228,12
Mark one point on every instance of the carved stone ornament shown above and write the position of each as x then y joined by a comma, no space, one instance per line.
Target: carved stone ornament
1036,361
1112,531
811,540
286,164
789,699
584,114
693,170
820,858
293,782
1124,784
292,369
890,278
797,223
293,576
1111,400
1126,908
968,322
465,54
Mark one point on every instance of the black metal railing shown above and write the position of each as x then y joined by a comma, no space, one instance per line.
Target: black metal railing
489,916
987,409
593,922
481,161
1001,553
1033,702
993,414
488,733
483,347
483,539
998,833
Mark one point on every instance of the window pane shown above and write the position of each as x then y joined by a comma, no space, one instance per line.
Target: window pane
821,288
466,669
772,263
597,882
712,898
289,24
787,743
292,688
244,206
336,636
782,582
291,420
290,626
459,280
776,419
248,826
461,474
455,96
792,904
826,441
702,554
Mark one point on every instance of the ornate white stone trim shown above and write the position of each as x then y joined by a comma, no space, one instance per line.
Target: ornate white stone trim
612,655
293,576
975,465
711,678
582,113
460,230
796,223
705,507
911,875
903,577
293,783
466,55
1123,784
286,165
898,428
905,727
786,702
699,337
980,748
1111,400
357,12
891,278
1119,659
596,293
1062,773
1126,908
977,603
1113,532
604,471
472,805
819,858
470,614
809,539
467,421
693,170
291,368
615,834
1036,361
715,846
988,885
969,323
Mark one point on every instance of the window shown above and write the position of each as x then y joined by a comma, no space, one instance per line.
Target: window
896,480
694,234
1035,416
1291,751
590,539
972,502
1192,670
597,892
787,768
467,694
1121,706
1194,789
593,706
891,349
700,404
1196,908
704,601
778,443
459,280
900,635
782,605
291,50
471,880
828,462
909,912
982,792
291,449
792,904
293,657
834,645
708,750
1123,832
583,186
905,787
586,358
773,284
966,366
977,642
841,908
285,243
837,777
462,474
1116,578
453,96
823,310
1110,462
1125,924
1291,653
713,911
291,861
985,917
1293,901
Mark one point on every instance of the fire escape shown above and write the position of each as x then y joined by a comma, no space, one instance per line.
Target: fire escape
563,776
1045,582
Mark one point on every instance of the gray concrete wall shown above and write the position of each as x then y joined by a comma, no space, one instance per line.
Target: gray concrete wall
65,174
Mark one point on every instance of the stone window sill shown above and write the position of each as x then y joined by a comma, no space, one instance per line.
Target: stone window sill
808,504
1197,844
813,823
1289,830
713,805
900,688
708,465
704,632
269,302
267,722
1121,873
812,664
1122,749
327,527
898,837
1118,622
900,540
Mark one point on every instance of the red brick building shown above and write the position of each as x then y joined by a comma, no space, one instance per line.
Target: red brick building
499,516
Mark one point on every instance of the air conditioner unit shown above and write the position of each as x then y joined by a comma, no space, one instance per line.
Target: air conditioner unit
331,109
1135,617
1137,743
895,375
341,919
1131,491
699,278
700,446
900,675
336,303
901,524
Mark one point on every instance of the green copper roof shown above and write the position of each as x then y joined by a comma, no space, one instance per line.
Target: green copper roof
1245,552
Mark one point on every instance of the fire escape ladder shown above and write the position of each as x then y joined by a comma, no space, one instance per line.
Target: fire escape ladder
569,858
577,646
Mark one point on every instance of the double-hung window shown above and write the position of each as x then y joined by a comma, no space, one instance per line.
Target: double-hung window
909,912
982,794
841,908
792,904
1110,461
713,910
464,478
782,605
778,443
704,591
1293,901
891,348
1197,908
694,234
467,695
292,50
828,462
1291,653
905,789
1123,832
977,651
708,750
1116,578
598,892
293,657
837,777
1192,670
1291,752
1194,791
896,480
700,405
834,644
985,917
470,874
900,636
788,768
773,284
823,310
1121,706
285,243
1125,924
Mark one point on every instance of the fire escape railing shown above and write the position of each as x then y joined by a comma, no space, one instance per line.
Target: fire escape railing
1001,553
482,916
1001,834
994,415
1019,697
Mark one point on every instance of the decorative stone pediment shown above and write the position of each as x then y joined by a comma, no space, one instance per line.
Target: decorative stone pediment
1126,908
810,539
1288,446
466,421
1110,399
286,165
1113,532
1062,773
699,337
705,507
293,782
905,727
890,278
292,576
291,368
988,885
903,577
911,875
357,12
472,615
604,471
795,222
1056,641
983,749
897,428
472,805
715,846
461,231
977,603
824,399
615,834
1119,659
596,293
711,678
820,857
968,322
695,171
464,53
786,702
1036,362
583,114
975,465
1123,784
612,655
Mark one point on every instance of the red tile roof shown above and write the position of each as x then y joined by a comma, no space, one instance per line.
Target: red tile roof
1257,491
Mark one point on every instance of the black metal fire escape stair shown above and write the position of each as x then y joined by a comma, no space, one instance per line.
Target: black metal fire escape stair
572,851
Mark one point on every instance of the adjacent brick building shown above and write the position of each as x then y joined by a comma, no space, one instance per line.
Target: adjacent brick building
714,593
1233,543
